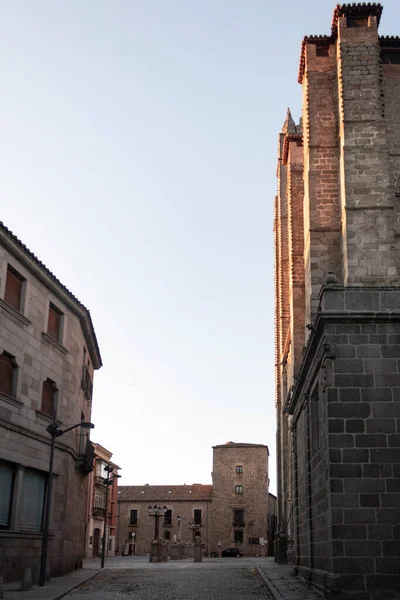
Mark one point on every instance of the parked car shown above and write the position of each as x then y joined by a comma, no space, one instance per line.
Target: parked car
232,552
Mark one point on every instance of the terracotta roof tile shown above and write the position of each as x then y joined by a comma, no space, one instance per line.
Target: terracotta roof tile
353,9
163,493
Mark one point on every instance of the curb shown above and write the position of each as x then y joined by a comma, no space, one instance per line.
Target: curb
274,592
76,586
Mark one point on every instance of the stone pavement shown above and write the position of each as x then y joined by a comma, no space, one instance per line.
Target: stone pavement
282,584
214,575
55,589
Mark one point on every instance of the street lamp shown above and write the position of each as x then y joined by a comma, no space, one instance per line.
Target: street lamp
108,481
194,527
156,512
55,432
197,540
180,519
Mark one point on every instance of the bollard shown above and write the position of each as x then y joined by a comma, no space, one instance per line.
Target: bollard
1,589
35,574
27,579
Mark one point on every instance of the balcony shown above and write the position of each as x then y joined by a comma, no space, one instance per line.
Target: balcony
85,459
99,480
86,383
99,512
239,524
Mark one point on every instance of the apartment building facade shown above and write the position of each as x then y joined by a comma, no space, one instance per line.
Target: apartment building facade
102,505
48,355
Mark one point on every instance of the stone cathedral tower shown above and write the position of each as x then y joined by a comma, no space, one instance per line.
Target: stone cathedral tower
337,300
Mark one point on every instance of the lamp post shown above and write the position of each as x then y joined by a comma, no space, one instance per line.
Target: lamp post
156,512
197,540
195,527
108,481
180,519
55,432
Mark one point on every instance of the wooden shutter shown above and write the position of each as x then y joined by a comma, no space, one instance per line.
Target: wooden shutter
6,374
53,326
13,290
48,397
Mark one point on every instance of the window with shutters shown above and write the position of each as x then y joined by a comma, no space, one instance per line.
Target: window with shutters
6,492
238,489
48,397
14,287
8,374
54,322
239,469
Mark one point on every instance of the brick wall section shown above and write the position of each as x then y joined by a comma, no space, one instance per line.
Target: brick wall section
322,227
391,88
296,251
367,195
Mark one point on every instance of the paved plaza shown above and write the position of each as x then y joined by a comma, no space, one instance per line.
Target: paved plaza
135,578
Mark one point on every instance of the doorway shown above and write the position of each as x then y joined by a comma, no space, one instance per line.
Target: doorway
96,542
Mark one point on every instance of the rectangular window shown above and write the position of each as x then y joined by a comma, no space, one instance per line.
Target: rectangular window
133,517
238,536
13,291
32,500
238,489
168,517
238,516
54,322
167,535
6,487
99,499
239,469
7,374
197,516
48,397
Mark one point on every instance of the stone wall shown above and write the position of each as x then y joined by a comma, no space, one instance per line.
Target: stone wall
144,530
341,393
253,499
24,441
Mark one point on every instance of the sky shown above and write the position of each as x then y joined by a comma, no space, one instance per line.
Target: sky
138,149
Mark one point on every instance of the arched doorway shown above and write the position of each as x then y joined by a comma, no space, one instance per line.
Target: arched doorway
96,542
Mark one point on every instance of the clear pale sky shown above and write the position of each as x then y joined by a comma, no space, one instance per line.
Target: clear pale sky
138,151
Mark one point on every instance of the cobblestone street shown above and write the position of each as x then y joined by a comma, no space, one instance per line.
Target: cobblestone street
223,580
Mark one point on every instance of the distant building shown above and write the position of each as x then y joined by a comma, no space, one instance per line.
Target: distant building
48,354
272,522
97,512
232,512
136,528
239,496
